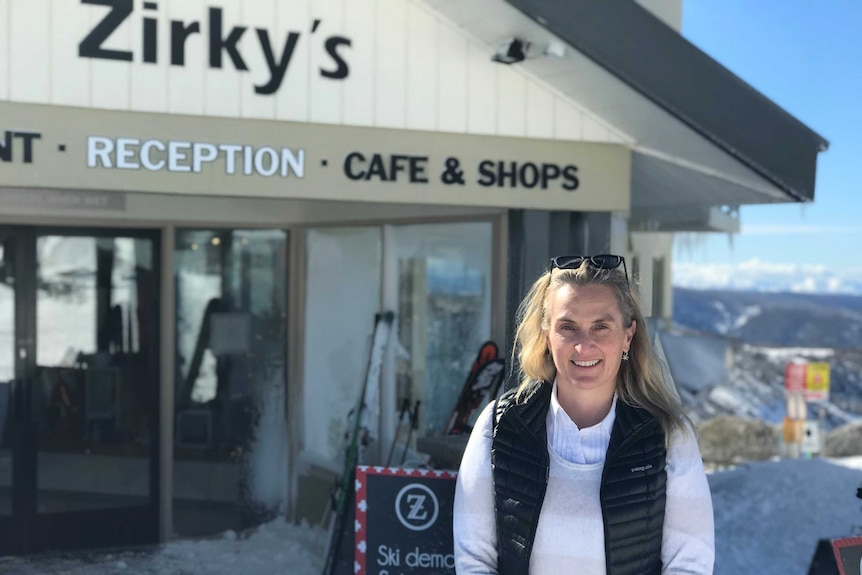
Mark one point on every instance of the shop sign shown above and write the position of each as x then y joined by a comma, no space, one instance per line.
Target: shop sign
404,521
52,147
848,555
810,379
223,41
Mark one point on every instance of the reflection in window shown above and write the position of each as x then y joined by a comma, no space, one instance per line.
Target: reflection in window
444,312
230,467
95,376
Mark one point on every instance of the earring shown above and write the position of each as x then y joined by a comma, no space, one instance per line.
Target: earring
625,356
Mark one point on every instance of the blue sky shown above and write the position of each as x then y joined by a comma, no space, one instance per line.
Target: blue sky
806,56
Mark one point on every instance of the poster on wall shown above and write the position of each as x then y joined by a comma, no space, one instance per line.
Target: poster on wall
404,521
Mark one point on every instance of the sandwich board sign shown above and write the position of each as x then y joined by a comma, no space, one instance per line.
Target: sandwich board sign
404,521
848,555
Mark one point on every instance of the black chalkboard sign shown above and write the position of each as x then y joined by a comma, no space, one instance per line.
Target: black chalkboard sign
404,521
848,554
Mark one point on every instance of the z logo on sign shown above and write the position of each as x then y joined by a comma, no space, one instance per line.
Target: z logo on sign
416,507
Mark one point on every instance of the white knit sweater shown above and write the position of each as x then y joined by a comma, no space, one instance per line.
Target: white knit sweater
570,534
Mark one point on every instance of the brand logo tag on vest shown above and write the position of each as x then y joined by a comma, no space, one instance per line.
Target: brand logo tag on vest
219,40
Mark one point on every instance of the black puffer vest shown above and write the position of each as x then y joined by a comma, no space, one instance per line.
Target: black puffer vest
632,490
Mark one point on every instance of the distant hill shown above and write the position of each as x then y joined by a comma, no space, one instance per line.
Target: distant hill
773,319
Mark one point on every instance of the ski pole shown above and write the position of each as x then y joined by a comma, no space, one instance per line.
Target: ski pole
405,408
414,423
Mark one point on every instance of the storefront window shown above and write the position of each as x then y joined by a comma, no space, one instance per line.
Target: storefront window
94,381
7,372
437,278
230,432
444,313
343,293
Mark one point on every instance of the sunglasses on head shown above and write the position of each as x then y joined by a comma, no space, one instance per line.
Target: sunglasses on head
602,262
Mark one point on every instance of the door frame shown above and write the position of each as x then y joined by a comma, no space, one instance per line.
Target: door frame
26,530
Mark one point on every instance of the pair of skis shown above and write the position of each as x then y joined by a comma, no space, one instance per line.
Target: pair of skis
345,489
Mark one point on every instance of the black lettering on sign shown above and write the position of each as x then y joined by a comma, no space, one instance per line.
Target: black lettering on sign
222,39
91,46
529,175
570,173
277,69
348,166
486,171
377,169
384,169
341,70
218,43
550,172
179,33
6,147
151,40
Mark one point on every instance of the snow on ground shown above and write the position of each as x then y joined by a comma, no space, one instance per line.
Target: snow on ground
769,517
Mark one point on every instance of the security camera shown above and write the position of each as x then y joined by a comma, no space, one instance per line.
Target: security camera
511,51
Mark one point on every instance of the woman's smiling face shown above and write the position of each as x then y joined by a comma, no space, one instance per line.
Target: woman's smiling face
587,337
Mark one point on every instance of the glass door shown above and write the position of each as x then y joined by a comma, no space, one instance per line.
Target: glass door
82,403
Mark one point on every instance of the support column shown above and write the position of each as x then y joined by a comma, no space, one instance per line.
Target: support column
167,314
535,236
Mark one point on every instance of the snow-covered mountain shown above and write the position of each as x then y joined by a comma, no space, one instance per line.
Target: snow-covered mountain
728,351
773,319
757,275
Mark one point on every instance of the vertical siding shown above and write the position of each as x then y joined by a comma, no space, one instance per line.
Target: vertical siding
325,93
482,92
452,79
110,80
260,14
540,111
291,100
70,74
221,89
391,64
4,50
409,67
422,78
568,120
149,83
186,84
360,26
30,51
511,102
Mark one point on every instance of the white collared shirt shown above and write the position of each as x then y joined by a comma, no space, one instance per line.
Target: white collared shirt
584,446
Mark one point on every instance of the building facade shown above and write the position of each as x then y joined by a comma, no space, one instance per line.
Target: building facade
203,204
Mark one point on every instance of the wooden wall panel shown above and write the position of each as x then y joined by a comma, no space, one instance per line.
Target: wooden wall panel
70,74
409,67
30,51
291,100
391,66
360,25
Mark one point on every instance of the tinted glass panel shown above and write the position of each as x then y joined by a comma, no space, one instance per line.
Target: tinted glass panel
96,371
230,440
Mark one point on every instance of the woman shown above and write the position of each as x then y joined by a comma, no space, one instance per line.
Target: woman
589,466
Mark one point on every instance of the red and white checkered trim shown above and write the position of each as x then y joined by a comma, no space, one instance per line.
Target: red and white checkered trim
362,473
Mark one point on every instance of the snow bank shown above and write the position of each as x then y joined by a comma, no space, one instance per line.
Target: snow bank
769,517
276,547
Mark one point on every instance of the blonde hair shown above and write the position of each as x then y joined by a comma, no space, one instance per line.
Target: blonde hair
640,382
